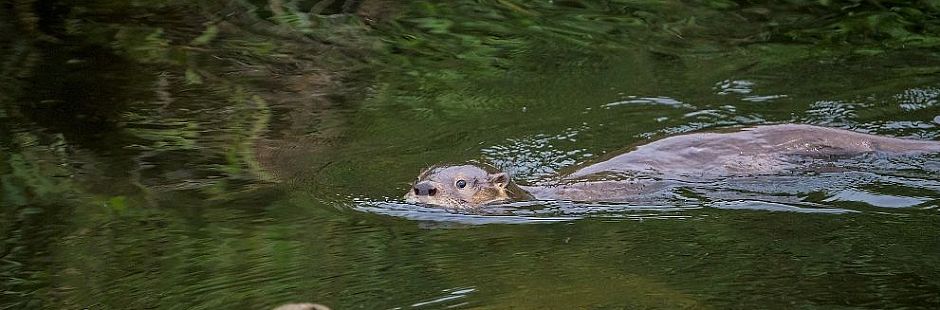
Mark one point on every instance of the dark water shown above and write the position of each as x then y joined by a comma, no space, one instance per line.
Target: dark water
149,161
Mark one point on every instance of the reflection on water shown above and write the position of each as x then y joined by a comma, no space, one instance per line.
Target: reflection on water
495,215
537,156
546,212
649,100
529,212
877,200
733,87
219,154
773,207
743,88
834,113
451,299
918,98
767,98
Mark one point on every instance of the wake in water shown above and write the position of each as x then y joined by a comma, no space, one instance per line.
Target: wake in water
865,183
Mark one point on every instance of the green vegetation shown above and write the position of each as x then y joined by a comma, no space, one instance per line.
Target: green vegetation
208,154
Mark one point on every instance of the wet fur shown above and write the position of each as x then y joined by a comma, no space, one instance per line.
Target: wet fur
657,167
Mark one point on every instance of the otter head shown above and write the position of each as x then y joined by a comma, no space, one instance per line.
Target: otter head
459,186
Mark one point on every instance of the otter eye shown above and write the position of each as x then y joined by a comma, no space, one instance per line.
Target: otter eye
461,184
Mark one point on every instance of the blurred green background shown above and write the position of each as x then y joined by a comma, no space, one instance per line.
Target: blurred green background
203,154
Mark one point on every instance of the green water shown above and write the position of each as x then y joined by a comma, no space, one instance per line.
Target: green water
174,155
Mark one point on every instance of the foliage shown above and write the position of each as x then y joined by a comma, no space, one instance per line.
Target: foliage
435,47
193,67
130,135
888,24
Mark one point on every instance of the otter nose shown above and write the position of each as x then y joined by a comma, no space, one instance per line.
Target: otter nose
425,188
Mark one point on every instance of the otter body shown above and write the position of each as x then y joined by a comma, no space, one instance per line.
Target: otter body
655,167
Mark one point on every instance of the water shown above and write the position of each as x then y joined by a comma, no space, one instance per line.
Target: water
149,161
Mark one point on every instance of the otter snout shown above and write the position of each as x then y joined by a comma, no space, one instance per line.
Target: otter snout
425,188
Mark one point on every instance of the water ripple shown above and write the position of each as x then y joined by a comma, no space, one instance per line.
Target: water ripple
660,100
536,156
918,98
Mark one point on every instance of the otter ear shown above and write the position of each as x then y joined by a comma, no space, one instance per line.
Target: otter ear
500,179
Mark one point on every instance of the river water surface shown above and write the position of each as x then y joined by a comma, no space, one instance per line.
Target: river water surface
256,155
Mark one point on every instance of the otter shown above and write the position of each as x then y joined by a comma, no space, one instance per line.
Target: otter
654,167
